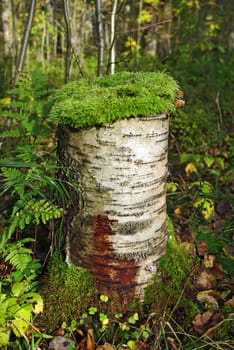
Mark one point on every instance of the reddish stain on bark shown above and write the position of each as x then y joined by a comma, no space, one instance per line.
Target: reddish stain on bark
113,274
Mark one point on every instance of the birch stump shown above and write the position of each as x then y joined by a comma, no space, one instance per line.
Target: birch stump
119,233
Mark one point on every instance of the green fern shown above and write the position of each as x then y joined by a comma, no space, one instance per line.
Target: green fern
28,108
18,255
28,171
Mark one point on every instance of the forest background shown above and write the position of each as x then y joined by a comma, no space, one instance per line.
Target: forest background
192,40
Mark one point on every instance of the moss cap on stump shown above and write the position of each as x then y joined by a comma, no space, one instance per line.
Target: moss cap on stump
107,99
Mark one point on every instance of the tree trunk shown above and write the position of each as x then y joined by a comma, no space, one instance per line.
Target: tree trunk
7,28
68,59
25,39
112,48
120,232
100,35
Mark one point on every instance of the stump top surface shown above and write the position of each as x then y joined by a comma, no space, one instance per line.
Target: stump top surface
104,100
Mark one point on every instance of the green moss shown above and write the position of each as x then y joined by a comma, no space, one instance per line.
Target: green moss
66,293
107,99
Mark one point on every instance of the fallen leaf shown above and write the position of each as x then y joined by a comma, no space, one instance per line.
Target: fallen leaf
179,103
208,300
105,346
229,251
178,211
190,168
203,248
206,320
172,343
230,302
180,93
223,207
90,340
209,261
214,151
59,331
216,271
218,225
187,236
204,281
140,345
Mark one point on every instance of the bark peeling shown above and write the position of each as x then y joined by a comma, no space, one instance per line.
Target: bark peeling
120,233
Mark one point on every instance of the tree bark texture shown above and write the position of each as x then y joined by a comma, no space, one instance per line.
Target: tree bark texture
25,41
100,35
119,233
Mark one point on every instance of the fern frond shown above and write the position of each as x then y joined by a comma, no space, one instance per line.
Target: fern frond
14,180
12,133
17,254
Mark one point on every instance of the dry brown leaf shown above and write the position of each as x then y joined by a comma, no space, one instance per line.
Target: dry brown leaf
90,340
203,248
229,251
217,271
187,236
172,343
206,320
80,332
180,93
81,345
230,302
179,103
204,281
105,346
218,225
58,331
223,207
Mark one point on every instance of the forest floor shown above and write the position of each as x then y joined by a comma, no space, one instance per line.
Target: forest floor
190,305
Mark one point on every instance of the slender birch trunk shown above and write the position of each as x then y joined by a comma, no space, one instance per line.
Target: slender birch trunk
7,28
68,59
100,34
25,41
120,233
112,49
21,60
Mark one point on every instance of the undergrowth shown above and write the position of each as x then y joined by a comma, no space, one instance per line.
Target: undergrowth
67,292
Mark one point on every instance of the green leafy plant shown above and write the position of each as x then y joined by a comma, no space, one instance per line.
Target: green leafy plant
34,196
19,299
27,109
29,170
167,294
124,327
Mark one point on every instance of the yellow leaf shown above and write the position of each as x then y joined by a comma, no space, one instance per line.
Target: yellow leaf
190,168
5,101
178,211
145,16
209,261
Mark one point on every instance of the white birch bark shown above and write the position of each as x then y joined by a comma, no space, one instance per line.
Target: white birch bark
7,27
120,232
112,48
